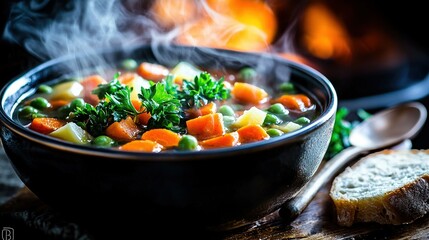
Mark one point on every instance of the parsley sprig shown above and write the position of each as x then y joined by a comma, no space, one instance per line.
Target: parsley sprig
114,106
163,100
202,90
164,107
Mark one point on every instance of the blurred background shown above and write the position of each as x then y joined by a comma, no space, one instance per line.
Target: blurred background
375,54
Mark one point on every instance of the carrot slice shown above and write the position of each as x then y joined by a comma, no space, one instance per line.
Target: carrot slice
127,77
90,83
248,93
204,110
58,103
142,145
143,118
46,125
227,140
165,137
252,133
207,126
152,71
125,130
294,101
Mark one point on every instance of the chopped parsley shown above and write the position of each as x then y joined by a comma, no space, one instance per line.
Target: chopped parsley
163,100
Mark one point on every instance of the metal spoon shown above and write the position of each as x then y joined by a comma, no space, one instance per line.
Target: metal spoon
386,128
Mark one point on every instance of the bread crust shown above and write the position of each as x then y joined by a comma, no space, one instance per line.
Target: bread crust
402,205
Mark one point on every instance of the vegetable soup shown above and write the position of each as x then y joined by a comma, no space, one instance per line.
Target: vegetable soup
149,107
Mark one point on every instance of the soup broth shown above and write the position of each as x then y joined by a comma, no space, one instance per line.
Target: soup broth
148,107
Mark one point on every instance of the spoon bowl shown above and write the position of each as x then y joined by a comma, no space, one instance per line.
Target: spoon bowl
384,129
389,127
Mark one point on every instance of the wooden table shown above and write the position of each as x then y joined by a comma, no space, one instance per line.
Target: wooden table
31,216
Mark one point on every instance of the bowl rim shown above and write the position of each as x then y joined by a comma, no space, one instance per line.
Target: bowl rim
61,145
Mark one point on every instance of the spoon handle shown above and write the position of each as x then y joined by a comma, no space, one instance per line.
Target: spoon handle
293,207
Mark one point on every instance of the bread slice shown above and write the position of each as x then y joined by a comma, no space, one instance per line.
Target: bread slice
387,187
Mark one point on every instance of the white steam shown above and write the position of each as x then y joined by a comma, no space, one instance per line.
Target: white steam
51,29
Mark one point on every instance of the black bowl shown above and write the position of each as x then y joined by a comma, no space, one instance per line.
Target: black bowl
211,189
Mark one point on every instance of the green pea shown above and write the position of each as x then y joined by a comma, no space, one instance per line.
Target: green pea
27,111
247,74
129,64
302,121
103,141
228,121
64,110
274,132
38,115
271,119
226,110
77,102
40,103
188,142
278,108
43,88
287,87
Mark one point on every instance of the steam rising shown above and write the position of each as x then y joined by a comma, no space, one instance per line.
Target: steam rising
51,29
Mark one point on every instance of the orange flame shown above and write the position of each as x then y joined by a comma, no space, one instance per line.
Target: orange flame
323,34
244,25
172,13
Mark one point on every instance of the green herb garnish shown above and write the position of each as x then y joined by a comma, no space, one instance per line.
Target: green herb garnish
162,100
202,90
114,106
164,107
341,132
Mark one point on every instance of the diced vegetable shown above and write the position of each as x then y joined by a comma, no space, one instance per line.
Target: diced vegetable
58,103
288,127
184,70
204,110
143,118
252,116
207,126
227,140
135,82
295,101
248,93
46,125
151,71
90,83
67,91
252,133
151,107
71,132
142,145
165,137
123,131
